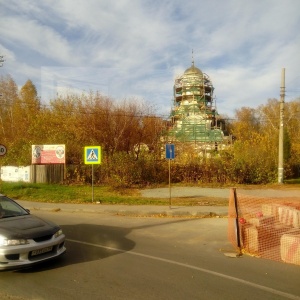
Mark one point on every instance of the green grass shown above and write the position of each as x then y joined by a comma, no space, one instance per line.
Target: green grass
293,181
57,193
66,194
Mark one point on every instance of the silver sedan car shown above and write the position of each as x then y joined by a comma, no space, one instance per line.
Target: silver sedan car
25,239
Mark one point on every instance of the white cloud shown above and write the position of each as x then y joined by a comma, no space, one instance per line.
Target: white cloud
135,48
36,38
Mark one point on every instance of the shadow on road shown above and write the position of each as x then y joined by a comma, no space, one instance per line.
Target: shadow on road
82,245
88,242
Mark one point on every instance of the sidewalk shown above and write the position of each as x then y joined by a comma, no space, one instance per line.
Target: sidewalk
130,210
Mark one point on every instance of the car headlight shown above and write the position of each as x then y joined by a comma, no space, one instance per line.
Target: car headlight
58,233
12,242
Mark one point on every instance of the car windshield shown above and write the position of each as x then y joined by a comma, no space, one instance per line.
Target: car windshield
9,208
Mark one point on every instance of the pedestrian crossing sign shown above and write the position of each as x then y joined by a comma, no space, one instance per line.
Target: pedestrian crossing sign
92,155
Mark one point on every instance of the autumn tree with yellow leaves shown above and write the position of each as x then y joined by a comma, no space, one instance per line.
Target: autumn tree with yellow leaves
129,133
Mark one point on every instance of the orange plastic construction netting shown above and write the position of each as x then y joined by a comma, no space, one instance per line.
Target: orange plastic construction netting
265,227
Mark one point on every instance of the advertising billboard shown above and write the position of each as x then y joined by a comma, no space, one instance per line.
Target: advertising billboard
48,154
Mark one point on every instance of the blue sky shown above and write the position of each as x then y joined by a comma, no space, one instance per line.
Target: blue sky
134,49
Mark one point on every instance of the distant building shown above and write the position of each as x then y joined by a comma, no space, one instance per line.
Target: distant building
194,119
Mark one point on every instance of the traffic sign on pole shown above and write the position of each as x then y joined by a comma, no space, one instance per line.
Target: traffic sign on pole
2,150
170,154
92,155
170,151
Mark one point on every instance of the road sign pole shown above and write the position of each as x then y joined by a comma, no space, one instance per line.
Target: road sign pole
92,155
170,154
170,183
92,183
2,151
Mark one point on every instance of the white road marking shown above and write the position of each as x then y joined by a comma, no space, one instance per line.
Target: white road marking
254,285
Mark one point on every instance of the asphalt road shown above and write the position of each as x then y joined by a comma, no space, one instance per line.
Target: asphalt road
193,192
121,257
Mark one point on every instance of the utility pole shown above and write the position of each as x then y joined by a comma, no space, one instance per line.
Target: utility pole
281,127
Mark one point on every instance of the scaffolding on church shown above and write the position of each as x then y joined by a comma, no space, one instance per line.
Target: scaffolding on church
194,118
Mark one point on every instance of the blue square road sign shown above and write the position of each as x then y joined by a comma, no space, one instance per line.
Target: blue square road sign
92,155
170,151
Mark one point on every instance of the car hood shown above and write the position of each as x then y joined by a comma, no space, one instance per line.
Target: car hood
26,227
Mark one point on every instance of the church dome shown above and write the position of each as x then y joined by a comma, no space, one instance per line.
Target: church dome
193,71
